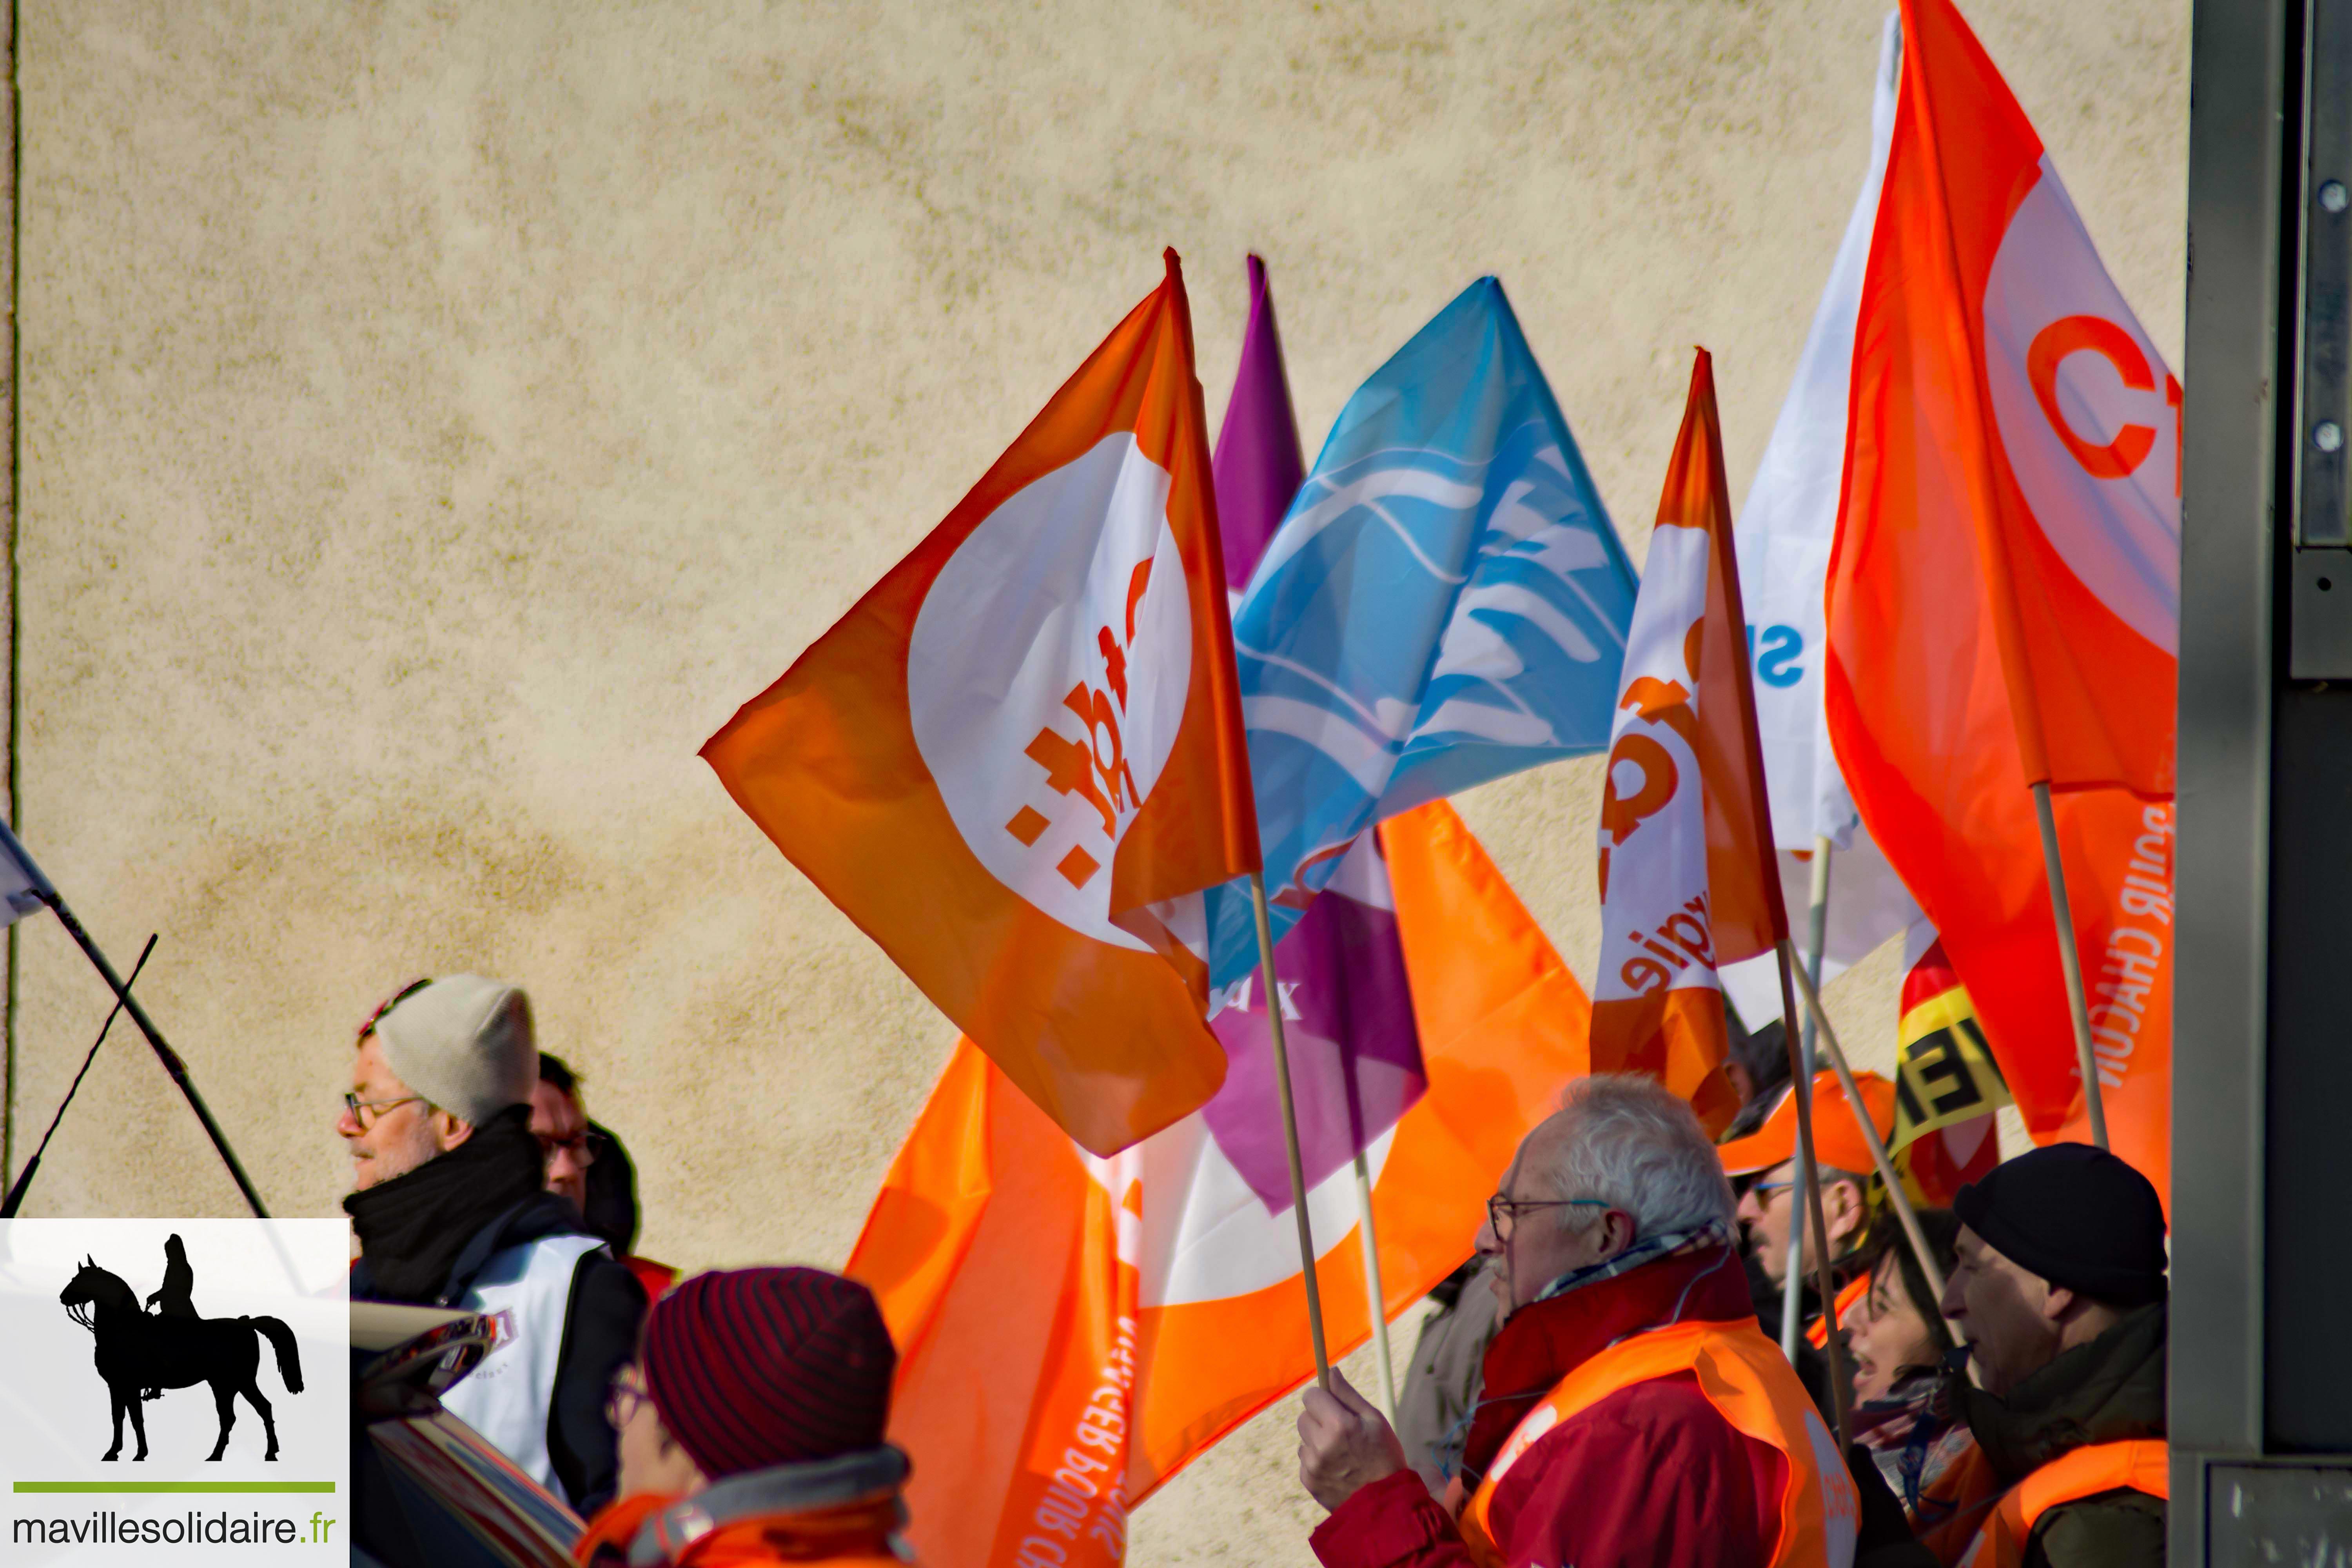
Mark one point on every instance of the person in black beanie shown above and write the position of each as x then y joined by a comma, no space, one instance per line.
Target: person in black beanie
2059,1291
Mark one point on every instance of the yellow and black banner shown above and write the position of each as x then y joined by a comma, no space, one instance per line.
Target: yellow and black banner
1945,1084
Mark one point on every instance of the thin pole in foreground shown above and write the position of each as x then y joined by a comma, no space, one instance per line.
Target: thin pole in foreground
14,1201
1792,1277
2070,963
1375,1294
1904,1212
1840,1396
1290,1131
44,889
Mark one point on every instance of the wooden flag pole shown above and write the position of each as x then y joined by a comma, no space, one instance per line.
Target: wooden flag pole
2070,964
1792,1276
1290,1131
1903,1213
1375,1293
1810,1167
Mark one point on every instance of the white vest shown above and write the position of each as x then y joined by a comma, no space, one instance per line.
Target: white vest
525,1292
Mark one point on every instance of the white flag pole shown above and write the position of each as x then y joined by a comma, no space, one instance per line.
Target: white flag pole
1792,1287
1375,1294
2070,964
1809,1169
1290,1131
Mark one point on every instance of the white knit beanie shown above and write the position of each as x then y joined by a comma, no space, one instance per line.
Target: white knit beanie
465,1044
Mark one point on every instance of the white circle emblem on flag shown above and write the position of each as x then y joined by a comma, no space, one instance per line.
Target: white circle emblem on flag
2088,415
1046,677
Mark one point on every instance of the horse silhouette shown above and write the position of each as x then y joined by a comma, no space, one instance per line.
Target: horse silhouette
138,1352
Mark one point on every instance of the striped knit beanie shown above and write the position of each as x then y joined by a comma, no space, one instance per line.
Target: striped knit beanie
755,1367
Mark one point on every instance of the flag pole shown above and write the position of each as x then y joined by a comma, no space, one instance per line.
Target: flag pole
14,1201
1792,1278
2070,964
1375,1293
48,893
1811,1171
1879,1156
1290,1131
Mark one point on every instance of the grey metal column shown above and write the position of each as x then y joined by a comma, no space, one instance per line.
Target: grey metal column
2261,1403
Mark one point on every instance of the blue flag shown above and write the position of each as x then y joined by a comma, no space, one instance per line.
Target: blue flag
1445,602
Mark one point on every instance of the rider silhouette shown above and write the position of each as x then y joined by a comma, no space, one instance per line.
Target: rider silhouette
177,1293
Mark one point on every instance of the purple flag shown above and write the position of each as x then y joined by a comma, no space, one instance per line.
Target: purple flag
1355,1053
1258,466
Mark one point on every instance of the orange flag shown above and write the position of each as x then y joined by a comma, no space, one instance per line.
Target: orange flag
1018,760
1687,877
1073,1331
2003,592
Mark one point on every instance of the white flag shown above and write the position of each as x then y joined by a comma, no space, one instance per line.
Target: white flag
1784,533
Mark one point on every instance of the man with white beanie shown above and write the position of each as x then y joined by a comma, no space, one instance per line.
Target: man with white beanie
451,1210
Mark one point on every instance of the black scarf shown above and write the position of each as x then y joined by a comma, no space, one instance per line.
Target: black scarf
412,1227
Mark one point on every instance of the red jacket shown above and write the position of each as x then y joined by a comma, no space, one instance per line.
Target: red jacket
1652,1474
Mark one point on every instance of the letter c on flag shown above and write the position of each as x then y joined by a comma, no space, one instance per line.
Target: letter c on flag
2069,335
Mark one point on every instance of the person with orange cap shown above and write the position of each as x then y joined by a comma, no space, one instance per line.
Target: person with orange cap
1769,1155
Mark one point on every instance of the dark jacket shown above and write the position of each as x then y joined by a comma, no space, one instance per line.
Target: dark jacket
600,1335
2108,1390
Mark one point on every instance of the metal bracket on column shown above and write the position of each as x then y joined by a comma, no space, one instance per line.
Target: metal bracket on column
2319,627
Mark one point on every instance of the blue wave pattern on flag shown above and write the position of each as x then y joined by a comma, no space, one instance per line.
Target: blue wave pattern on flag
1445,602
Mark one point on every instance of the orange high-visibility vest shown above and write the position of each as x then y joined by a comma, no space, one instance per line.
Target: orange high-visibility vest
1954,1506
1750,1383
2086,1472
1855,1288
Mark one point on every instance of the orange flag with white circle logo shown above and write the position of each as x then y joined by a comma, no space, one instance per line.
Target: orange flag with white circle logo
2002,599
1072,1332
1688,881
1018,760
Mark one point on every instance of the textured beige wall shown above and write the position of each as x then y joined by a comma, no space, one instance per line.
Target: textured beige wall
436,420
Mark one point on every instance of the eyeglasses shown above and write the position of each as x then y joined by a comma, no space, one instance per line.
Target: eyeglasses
363,1113
1762,1188
621,1402
1501,1211
575,1145
389,1002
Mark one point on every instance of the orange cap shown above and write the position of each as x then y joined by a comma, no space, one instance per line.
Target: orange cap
1838,1141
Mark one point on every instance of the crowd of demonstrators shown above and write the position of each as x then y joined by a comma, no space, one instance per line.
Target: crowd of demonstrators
1597,1387
1629,1410
451,1208
586,1163
752,1429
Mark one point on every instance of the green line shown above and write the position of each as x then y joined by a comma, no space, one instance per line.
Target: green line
176,1486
